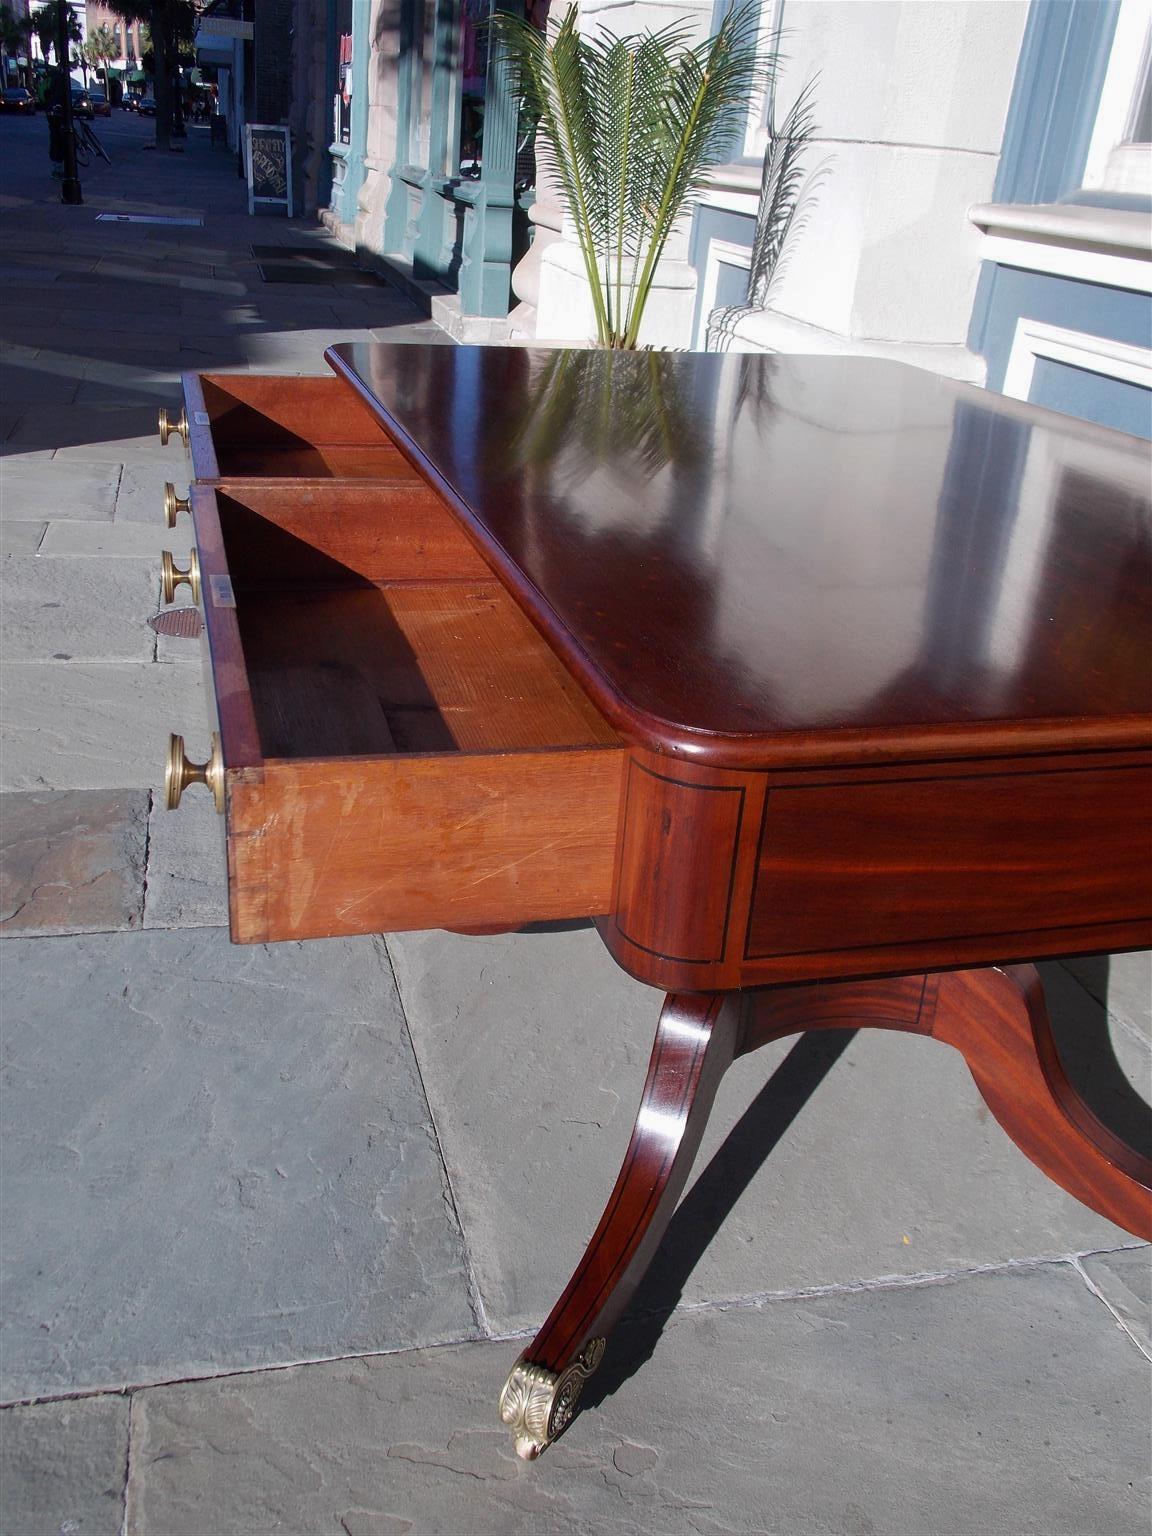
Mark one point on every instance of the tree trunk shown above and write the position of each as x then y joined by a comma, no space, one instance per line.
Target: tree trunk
163,76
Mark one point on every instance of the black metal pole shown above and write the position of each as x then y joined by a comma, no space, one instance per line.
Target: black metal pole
70,189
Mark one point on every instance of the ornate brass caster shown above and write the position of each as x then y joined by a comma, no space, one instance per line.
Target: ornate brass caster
537,1404
171,576
179,772
174,504
168,427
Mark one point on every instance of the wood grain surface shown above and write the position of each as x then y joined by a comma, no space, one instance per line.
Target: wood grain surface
772,561
382,844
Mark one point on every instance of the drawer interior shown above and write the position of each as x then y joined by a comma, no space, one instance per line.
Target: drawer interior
317,428
370,625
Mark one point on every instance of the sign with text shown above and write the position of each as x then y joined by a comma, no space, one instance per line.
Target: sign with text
268,164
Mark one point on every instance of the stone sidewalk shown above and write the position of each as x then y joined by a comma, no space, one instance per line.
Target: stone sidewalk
276,1219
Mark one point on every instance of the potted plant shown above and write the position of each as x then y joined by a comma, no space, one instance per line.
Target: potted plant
634,124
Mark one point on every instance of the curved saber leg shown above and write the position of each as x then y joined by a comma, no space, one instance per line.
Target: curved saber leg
695,1043
998,1021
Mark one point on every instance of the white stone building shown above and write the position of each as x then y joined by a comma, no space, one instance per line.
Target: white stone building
979,187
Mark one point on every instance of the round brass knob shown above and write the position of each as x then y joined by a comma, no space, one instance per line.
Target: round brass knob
174,504
167,427
179,772
171,576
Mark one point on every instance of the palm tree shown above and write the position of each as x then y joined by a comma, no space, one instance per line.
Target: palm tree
171,26
634,125
14,34
46,26
100,50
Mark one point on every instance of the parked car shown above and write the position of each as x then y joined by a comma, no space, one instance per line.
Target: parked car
100,104
81,104
146,106
17,99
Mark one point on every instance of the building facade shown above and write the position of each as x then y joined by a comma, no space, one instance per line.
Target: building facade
976,198
126,67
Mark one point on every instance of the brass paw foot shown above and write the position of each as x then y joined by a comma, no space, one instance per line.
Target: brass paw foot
538,1404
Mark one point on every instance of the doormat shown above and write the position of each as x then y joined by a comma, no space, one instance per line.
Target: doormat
147,218
325,255
181,623
301,272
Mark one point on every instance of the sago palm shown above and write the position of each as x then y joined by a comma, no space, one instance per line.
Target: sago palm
634,125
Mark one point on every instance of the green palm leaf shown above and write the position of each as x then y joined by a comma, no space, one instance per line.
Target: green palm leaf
634,125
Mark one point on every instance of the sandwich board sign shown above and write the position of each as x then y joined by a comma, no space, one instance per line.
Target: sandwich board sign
268,164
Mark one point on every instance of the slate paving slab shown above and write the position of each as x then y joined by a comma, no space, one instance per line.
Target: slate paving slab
881,1161
63,1468
215,1157
72,861
21,538
1124,982
156,391
74,610
41,490
1124,1279
1109,1063
26,383
97,725
1003,1403
86,436
187,870
119,540
140,499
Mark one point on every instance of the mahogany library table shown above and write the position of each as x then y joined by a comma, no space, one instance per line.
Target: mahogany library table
821,684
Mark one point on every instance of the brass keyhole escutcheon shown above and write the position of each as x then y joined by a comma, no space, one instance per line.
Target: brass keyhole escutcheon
174,504
167,427
179,772
171,576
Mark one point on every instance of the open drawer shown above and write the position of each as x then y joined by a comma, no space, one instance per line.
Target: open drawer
272,428
401,748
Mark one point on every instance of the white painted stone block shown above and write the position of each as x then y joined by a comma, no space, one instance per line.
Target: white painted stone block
885,252
932,73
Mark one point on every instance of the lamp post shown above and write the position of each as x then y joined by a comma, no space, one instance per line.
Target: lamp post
70,188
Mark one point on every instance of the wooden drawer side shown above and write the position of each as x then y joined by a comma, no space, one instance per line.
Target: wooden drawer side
267,427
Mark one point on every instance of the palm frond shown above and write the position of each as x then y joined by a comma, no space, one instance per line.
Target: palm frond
634,124
785,189
705,103
780,185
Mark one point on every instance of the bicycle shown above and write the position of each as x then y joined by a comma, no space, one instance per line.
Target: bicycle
87,144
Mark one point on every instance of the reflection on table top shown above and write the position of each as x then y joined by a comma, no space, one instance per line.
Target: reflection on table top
795,555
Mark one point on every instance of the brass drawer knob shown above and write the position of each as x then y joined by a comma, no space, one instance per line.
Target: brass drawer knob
171,576
179,772
167,427
174,504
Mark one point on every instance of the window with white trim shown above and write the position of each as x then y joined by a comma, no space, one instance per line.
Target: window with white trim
759,117
1120,153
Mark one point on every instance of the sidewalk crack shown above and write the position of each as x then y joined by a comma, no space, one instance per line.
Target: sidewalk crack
1119,1318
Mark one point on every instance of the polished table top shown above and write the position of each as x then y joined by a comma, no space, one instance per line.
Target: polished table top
795,555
